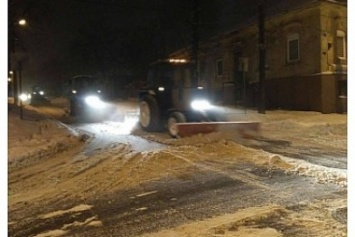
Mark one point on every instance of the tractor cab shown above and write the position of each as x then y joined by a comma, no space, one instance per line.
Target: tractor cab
171,81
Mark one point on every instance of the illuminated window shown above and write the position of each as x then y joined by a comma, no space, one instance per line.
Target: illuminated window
293,48
340,44
219,67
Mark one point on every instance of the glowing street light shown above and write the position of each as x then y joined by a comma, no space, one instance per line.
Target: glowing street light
22,22
9,79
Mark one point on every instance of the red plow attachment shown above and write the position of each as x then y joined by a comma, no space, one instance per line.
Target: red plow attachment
243,129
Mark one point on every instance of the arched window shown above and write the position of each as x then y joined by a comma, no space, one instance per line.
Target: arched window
340,44
293,48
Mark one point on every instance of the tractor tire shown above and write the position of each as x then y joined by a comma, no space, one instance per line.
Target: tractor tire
175,117
149,114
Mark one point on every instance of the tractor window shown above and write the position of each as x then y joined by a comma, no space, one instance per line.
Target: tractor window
85,83
177,77
165,77
182,76
169,75
159,76
187,77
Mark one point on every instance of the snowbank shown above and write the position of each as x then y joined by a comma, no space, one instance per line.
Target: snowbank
36,136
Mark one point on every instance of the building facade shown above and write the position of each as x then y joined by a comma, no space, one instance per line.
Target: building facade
306,60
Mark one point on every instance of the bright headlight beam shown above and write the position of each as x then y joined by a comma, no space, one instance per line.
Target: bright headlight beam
94,102
201,105
129,124
24,97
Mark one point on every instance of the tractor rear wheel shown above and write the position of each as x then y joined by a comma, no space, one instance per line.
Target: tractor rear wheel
175,117
149,115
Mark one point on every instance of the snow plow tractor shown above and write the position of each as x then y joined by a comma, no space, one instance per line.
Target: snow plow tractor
85,95
169,101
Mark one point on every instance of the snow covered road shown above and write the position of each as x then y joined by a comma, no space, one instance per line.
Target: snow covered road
105,182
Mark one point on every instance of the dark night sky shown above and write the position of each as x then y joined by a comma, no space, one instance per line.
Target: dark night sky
111,37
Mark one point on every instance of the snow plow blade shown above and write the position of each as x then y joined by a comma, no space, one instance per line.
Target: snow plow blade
243,129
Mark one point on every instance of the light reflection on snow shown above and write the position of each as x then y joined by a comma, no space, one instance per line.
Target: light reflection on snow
123,128
129,124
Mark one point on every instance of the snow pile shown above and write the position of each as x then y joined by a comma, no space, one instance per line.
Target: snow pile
321,173
303,131
266,221
60,101
35,137
235,224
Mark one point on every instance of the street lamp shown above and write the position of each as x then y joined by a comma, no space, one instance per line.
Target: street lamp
9,79
22,22
10,83
17,56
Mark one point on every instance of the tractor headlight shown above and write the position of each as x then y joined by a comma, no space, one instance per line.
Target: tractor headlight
24,97
94,101
201,105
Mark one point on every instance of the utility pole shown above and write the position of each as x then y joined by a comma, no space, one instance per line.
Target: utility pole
10,67
261,105
20,86
195,42
13,55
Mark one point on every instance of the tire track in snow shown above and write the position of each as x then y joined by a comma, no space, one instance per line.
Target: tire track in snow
239,175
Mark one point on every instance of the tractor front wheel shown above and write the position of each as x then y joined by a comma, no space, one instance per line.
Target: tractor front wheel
174,118
149,115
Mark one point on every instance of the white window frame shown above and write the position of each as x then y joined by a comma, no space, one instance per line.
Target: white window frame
291,38
341,34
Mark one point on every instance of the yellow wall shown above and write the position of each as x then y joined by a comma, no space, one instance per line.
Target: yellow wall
316,24
333,17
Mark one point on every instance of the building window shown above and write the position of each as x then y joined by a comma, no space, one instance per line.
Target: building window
340,44
219,67
293,48
342,89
